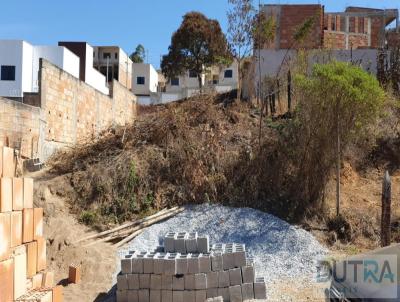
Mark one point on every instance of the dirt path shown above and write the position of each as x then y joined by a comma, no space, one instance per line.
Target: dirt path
61,229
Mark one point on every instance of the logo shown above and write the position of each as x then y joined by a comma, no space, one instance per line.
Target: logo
363,277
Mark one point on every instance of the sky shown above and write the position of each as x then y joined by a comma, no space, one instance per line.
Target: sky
124,23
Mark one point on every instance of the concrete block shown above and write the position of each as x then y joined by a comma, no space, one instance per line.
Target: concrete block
16,228
212,292
155,295
133,295
8,162
17,194
27,225
7,280
235,293
133,281
74,273
201,295
218,247
248,275
166,282
189,296
228,259
212,279
189,282
122,282
41,254
193,264
235,276
182,264
191,243
48,280
37,223
247,291
240,255
126,264
144,281
31,253
260,288
177,296
169,239
158,263
204,263
144,295
148,263
180,243
155,281
122,296
37,281
20,273
224,293
159,249
216,261
203,244
6,195
137,262
28,193
166,296
178,282
170,264
200,281
57,293
5,235
223,279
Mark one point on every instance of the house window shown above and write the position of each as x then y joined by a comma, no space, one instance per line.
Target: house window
192,74
140,80
228,73
7,73
175,82
106,55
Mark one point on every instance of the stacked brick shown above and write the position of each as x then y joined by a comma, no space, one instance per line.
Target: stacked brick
22,245
186,269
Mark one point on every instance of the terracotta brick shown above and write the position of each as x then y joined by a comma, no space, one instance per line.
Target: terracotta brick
7,280
8,164
48,279
28,193
16,228
6,194
41,254
37,223
74,275
58,294
37,281
18,195
27,225
20,284
31,252
5,235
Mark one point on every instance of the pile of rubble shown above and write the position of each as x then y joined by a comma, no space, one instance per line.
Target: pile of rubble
23,275
186,269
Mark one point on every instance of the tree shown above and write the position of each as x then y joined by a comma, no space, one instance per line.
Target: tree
240,33
337,100
197,44
139,55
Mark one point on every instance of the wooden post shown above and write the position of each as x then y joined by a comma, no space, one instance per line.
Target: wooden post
386,210
289,91
337,161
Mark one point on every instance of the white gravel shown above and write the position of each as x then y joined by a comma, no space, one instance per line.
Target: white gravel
279,249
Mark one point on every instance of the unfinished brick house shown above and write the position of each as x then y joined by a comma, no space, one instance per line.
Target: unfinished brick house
356,27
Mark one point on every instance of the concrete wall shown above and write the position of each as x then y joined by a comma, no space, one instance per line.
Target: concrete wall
20,126
93,77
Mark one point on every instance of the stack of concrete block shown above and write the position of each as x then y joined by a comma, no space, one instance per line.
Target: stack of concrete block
188,270
22,245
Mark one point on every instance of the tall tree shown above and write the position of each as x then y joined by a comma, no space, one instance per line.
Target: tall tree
139,55
197,44
241,16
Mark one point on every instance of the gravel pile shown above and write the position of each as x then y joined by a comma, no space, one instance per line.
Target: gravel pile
279,249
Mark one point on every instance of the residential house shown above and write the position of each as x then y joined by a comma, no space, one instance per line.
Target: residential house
144,82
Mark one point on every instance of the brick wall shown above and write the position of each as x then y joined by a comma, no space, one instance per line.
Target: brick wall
19,126
334,40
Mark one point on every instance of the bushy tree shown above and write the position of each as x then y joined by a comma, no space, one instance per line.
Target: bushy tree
197,44
139,55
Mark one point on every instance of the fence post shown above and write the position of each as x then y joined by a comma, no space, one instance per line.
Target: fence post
386,210
289,90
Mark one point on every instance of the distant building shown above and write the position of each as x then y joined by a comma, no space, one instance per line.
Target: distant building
144,82
116,62
356,27
19,66
86,71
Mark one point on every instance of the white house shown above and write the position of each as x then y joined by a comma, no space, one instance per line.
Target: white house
144,82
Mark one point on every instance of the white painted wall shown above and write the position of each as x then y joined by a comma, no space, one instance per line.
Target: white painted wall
93,77
151,79
229,81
